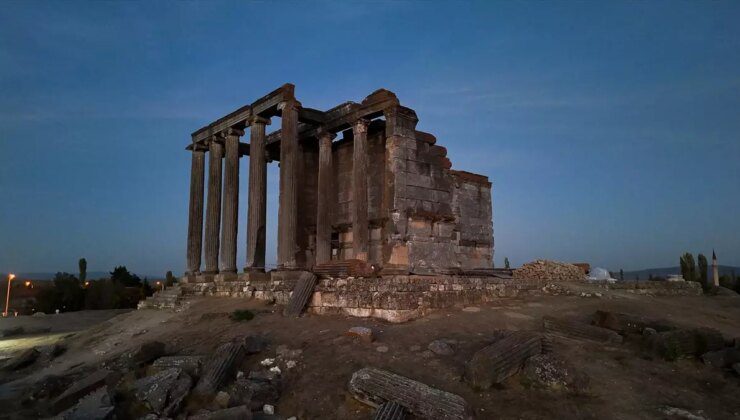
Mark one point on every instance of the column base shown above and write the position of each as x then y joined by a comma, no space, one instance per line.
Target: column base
224,277
198,278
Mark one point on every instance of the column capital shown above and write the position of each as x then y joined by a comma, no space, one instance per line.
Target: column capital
360,126
289,104
197,147
323,134
256,119
230,132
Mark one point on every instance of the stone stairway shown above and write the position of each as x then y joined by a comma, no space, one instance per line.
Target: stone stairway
169,298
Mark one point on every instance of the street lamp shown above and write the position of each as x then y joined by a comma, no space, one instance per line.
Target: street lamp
11,276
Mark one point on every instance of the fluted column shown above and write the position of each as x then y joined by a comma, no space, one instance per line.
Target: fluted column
213,209
359,191
195,214
323,210
230,201
257,211
288,211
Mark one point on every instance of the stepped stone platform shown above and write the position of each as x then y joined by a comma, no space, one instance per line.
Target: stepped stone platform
396,298
401,298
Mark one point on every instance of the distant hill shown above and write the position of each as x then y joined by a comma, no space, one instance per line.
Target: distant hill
665,272
91,275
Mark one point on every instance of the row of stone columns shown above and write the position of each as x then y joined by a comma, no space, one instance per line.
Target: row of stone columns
224,215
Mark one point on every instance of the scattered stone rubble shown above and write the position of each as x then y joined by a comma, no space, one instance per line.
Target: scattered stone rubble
549,271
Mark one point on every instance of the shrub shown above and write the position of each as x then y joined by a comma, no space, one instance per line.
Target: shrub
242,315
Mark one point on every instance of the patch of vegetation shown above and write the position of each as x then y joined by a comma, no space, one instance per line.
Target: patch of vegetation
242,315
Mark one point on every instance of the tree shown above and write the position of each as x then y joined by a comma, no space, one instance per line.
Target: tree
688,267
621,274
122,276
506,263
650,277
170,279
82,263
72,295
703,267
146,289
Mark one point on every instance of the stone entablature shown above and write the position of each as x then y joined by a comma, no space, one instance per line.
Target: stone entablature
383,192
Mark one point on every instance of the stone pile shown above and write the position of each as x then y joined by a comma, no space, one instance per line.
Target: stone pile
147,383
547,270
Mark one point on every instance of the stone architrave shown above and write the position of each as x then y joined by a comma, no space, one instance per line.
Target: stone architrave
288,211
359,191
213,209
230,201
323,210
195,214
257,210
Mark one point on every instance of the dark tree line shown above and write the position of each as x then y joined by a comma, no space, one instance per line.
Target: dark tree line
70,293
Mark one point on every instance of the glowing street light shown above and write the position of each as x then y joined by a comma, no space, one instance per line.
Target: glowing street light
11,276
27,283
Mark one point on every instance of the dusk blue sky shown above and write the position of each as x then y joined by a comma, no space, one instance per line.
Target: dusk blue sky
610,130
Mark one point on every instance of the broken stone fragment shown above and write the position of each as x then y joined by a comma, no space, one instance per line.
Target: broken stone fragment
441,348
684,343
256,391
241,412
375,387
220,367
95,406
495,363
143,354
222,399
164,391
192,365
626,324
363,333
576,329
84,386
721,358
254,344
23,359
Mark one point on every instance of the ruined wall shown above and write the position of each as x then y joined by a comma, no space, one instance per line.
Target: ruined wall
471,202
440,220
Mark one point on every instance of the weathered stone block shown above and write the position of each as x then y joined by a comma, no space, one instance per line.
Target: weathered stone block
375,387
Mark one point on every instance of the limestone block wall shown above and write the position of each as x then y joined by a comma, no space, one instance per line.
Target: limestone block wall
442,222
402,298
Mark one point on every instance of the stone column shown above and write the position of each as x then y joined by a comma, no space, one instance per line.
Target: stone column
213,209
256,213
195,214
230,201
360,229
323,207
288,211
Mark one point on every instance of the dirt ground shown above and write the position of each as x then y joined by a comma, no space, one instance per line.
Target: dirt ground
624,383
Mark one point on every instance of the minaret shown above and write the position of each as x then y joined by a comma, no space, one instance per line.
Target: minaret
715,270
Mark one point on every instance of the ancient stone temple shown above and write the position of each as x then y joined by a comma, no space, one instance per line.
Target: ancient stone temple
358,182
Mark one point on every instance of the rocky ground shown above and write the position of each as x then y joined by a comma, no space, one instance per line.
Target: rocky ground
302,367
